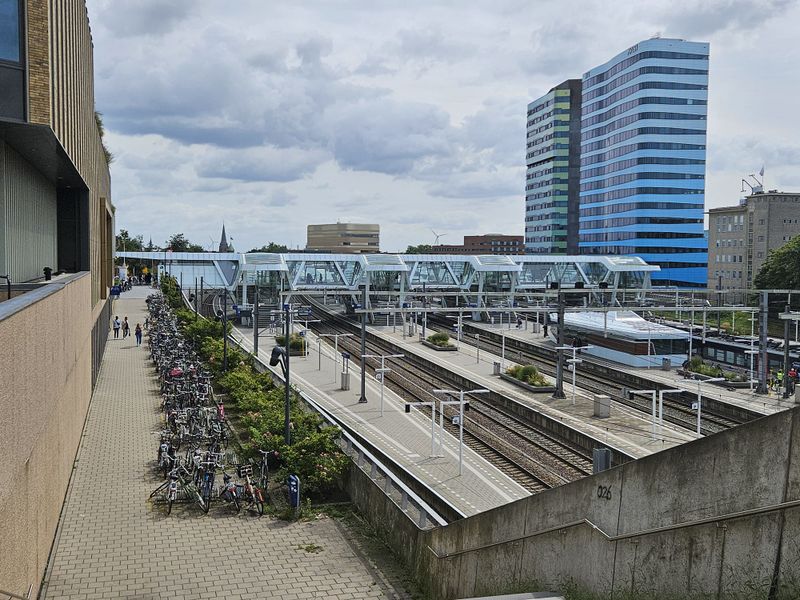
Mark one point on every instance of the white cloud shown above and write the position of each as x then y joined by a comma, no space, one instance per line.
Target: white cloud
411,115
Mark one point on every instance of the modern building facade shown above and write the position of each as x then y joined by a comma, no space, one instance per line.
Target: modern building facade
490,243
643,148
348,238
553,169
55,213
740,237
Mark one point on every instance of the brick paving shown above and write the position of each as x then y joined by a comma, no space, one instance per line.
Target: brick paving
113,543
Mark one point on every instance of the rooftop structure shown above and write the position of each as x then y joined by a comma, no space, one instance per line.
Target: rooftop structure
490,243
350,238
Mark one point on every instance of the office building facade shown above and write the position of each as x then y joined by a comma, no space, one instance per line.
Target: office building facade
740,237
643,149
553,169
344,238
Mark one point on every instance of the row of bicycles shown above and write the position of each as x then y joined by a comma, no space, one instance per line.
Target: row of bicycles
193,445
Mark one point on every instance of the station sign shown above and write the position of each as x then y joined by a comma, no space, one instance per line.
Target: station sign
294,491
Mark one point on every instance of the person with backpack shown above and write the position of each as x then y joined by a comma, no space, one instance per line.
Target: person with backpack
126,328
138,333
116,325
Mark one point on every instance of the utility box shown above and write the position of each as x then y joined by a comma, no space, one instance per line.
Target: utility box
797,394
496,368
536,327
666,364
602,406
601,460
345,381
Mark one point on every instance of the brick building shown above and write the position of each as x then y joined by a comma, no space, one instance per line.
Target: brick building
491,243
344,238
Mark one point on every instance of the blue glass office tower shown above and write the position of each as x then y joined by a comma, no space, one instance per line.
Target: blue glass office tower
643,150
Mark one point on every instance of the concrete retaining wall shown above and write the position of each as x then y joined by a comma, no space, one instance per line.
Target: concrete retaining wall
46,373
718,517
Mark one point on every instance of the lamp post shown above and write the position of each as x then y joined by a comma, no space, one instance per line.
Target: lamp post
462,406
432,406
383,370
335,337
652,394
305,323
574,361
699,404
661,404
280,355
478,346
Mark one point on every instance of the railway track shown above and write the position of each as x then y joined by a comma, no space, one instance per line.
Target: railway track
675,411
527,453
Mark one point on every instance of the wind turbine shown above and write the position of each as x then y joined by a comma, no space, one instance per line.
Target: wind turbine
437,236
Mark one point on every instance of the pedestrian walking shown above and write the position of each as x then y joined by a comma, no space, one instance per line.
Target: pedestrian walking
126,328
116,326
138,333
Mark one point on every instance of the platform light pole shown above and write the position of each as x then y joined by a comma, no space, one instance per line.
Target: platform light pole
363,397
574,361
383,370
432,405
652,394
661,403
335,337
462,406
699,404
558,394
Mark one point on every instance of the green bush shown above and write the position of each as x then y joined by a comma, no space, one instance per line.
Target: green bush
697,365
171,291
527,374
440,339
296,342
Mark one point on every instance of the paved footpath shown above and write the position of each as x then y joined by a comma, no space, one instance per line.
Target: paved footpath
112,543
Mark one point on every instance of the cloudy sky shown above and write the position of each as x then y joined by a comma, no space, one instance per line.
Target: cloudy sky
273,115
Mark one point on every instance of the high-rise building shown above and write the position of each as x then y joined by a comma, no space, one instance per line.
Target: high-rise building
740,237
643,149
552,177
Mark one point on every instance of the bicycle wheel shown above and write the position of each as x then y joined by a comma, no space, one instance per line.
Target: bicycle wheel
236,503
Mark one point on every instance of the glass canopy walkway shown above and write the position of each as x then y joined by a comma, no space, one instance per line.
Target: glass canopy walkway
473,276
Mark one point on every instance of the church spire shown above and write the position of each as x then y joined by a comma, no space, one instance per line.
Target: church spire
223,242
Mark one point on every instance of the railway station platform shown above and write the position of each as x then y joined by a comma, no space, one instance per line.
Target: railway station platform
405,438
627,429
765,404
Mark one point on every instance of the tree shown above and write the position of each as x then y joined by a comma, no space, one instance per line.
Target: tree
98,120
126,242
178,243
421,249
273,248
781,270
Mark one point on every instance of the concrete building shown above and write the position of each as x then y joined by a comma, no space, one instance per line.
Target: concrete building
347,238
643,135
553,171
55,212
490,243
740,237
